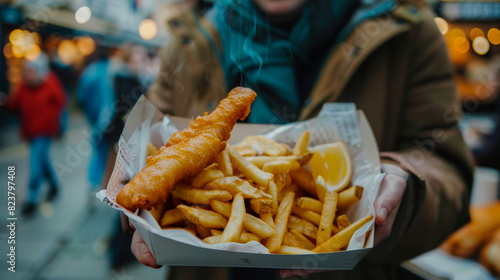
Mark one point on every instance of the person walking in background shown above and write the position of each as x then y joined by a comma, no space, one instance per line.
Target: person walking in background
40,100
96,98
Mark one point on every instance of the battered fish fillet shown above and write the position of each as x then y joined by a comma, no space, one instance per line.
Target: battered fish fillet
187,153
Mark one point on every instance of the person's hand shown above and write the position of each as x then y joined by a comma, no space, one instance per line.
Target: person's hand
141,251
138,246
388,200
386,205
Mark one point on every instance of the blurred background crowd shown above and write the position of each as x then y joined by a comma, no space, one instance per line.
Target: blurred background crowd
93,59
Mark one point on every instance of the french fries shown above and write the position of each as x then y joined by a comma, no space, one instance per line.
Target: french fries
205,218
341,239
281,221
327,216
234,226
170,217
248,169
343,222
251,223
304,180
200,196
234,185
271,198
206,176
308,203
301,145
350,196
224,163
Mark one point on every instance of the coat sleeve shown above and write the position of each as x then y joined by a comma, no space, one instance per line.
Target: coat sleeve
430,146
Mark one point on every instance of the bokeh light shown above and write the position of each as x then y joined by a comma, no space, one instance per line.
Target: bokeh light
457,33
33,52
16,36
7,50
85,45
481,45
476,32
441,24
494,36
18,51
67,52
148,29
83,15
461,44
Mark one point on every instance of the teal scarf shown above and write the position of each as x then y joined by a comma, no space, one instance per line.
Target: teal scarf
274,61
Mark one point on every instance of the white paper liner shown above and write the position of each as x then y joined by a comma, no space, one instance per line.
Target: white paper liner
336,122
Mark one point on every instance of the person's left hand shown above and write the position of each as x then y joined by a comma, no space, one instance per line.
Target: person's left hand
386,206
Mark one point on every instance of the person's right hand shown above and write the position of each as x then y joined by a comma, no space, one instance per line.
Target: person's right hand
141,251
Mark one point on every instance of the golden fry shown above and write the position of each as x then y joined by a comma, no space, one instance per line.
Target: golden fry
350,196
308,203
250,170
190,227
247,237
304,158
343,222
261,205
224,163
214,239
157,211
215,232
280,166
327,217
288,250
199,196
306,228
206,176
291,188
302,144
280,180
342,239
265,146
235,185
281,221
304,180
233,228
308,215
306,243
203,232
170,217
273,192
268,218
251,223
291,240
205,218
260,161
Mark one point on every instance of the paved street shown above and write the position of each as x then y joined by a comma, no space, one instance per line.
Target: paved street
64,239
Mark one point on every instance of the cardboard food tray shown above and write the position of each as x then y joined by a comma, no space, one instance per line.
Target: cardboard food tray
180,248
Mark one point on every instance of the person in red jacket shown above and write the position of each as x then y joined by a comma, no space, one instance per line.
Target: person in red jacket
39,100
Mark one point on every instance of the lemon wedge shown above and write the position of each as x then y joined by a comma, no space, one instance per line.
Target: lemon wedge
331,167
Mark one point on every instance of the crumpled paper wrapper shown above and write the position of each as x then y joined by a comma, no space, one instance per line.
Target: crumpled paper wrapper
336,122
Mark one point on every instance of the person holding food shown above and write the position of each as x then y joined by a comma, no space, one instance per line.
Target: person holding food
387,57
